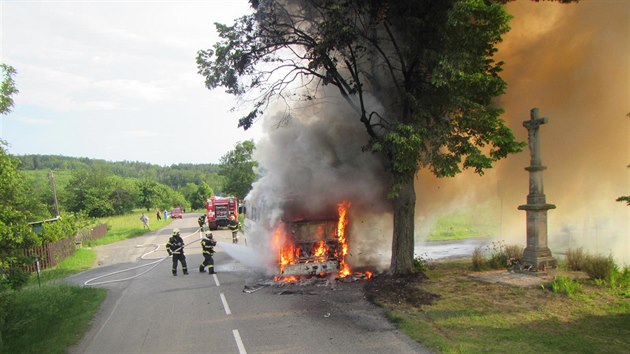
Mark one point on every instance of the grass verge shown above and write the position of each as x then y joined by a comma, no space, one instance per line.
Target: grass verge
467,316
52,317
127,226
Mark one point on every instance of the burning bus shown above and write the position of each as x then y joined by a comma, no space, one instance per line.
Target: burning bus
302,242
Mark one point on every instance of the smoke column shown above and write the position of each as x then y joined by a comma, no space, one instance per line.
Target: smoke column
573,63
312,157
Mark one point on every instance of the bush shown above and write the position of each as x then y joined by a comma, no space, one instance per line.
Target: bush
600,267
421,264
478,259
501,256
577,259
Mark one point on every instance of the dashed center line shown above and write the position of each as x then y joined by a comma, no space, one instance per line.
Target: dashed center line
225,305
239,342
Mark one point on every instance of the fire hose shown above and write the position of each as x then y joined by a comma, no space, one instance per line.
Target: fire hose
154,264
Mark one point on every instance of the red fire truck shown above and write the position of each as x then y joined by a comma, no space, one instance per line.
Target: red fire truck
219,210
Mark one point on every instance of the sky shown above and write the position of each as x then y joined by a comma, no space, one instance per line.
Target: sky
117,80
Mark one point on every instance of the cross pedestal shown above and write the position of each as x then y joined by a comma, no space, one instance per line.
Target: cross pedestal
537,255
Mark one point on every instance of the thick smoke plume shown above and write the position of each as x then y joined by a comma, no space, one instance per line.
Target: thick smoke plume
570,61
573,63
311,159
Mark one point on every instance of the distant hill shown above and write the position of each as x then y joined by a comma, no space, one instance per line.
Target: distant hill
175,176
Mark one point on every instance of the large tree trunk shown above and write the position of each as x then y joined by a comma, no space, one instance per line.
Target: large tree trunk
403,240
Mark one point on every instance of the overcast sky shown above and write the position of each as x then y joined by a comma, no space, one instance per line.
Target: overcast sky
117,80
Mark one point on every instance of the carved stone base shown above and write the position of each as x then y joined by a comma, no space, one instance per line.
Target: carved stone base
539,260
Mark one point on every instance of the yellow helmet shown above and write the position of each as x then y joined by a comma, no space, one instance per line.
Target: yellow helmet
175,231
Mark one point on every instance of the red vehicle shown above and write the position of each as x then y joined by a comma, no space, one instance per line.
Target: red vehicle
219,210
176,213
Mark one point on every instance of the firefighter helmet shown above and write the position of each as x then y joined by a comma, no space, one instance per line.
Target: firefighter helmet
175,231
231,217
209,235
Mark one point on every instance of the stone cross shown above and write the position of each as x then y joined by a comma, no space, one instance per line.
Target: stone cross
532,126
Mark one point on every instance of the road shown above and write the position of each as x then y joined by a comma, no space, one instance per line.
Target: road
156,312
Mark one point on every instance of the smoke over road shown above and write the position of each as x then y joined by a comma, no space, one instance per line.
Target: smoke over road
570,61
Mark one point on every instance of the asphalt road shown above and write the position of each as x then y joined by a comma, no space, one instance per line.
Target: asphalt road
155,312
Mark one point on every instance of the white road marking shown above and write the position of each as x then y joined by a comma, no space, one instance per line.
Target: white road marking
225,305
239,342
216,279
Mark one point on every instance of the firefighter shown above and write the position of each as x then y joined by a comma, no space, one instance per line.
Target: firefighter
201,221
207,245
175,248
234,225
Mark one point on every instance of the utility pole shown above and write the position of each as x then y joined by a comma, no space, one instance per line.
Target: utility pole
53,185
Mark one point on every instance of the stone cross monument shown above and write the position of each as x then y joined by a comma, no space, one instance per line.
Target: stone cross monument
536,254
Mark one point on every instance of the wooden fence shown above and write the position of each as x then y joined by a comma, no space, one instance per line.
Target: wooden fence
50,254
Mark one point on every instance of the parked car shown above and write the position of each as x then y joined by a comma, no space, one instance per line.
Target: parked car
176,213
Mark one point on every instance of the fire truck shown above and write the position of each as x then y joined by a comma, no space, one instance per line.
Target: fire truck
219,210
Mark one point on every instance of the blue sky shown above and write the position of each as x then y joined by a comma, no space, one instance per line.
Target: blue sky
117,80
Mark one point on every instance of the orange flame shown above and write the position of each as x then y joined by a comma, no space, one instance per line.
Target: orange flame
342,208
290,253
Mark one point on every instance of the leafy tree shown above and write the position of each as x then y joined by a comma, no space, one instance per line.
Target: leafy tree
429,63
14,202
238,168
98,193
7,88
148,194
15,233
197,194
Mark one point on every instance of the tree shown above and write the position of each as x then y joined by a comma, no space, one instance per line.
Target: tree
197,194
148,194
430,64
7,88
238,168
99,193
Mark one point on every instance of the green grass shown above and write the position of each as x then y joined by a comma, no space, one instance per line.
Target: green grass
476,317
481,221
51,318
127,226
81,260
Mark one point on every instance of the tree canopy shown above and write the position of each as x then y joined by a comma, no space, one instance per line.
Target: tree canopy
429,64
237,166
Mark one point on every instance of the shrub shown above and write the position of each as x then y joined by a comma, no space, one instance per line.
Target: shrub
600,267
502,254
478,259
421,264
576,259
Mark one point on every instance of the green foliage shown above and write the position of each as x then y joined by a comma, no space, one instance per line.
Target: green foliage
15,233
238,168
566,286
99,193
66,226
197,195
7,88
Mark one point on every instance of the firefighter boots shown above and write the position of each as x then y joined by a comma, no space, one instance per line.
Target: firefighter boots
201,269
